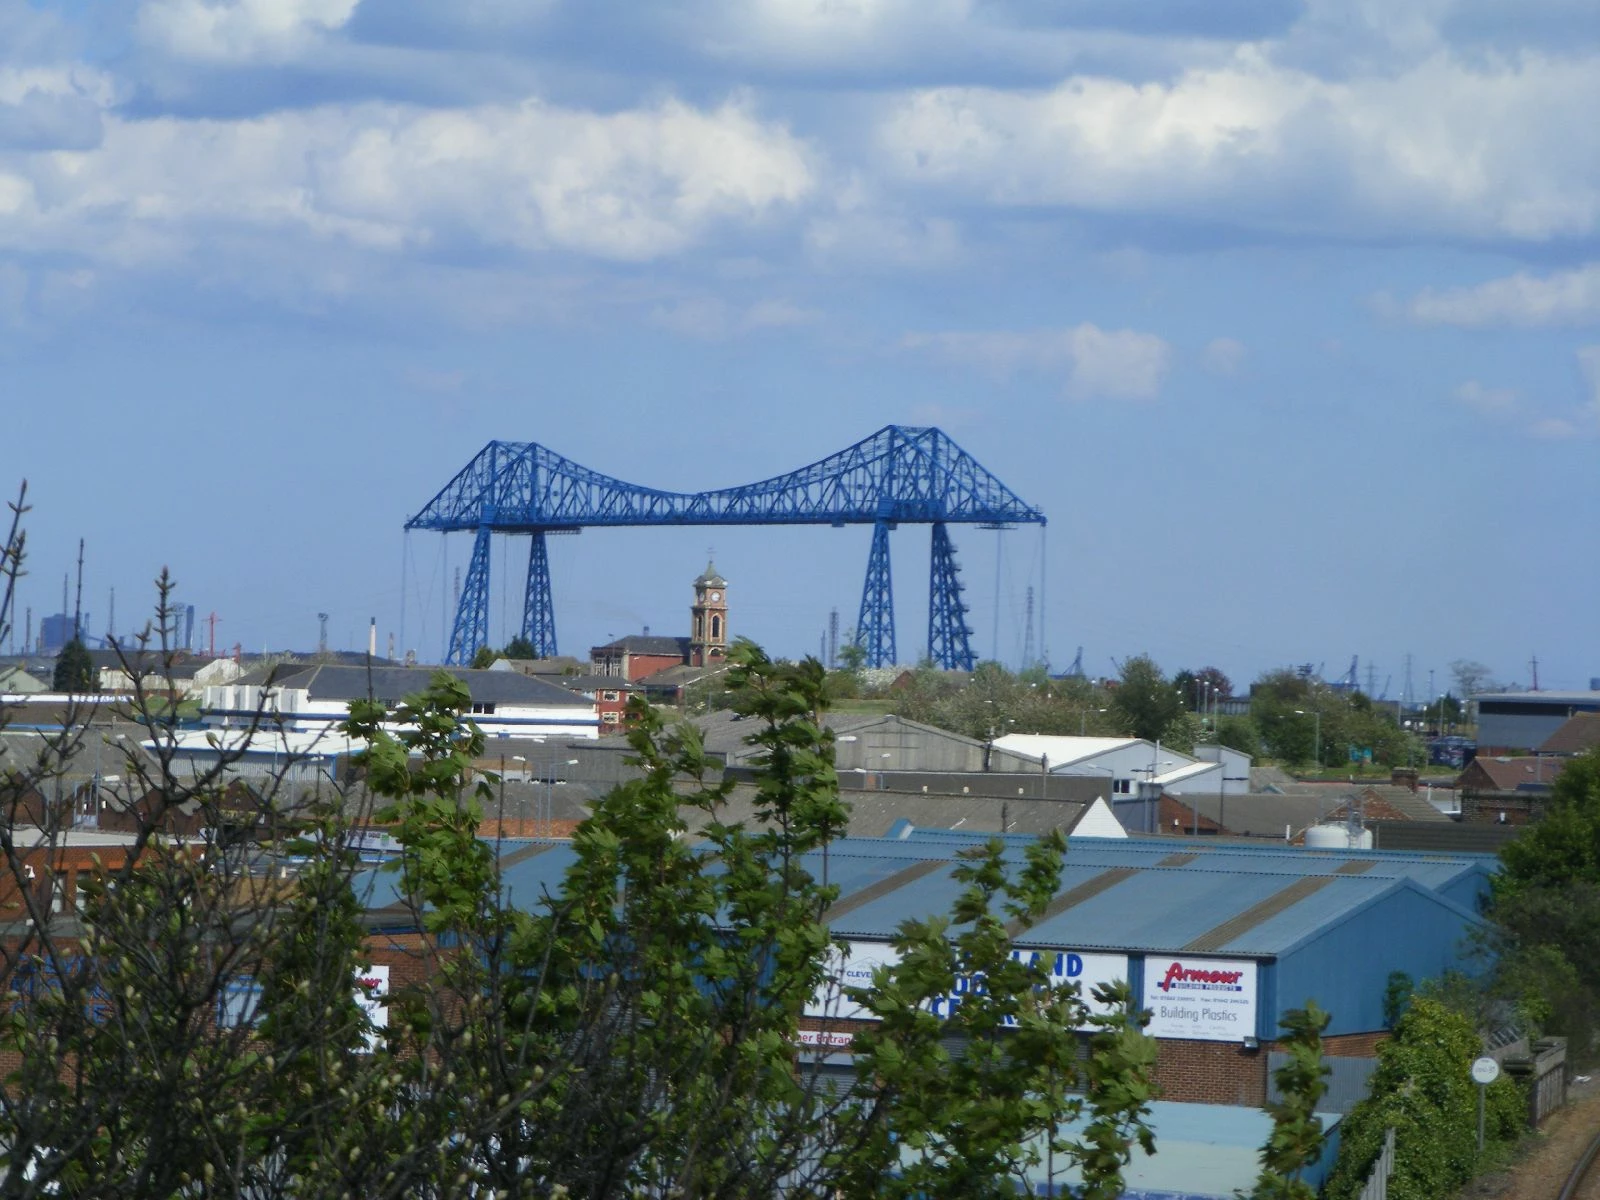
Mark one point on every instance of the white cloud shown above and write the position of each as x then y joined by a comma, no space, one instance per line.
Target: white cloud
1563,298
1224,356
1498,149
240,30
1489,401
633,185
1122,364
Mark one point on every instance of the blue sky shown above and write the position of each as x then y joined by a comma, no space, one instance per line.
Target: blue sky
1287,314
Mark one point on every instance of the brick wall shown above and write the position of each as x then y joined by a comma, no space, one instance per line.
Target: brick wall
1195,1072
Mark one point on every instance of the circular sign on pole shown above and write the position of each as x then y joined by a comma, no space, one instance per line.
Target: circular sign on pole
1485,1070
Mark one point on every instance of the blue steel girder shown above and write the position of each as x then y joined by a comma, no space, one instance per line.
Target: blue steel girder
949,639
471,629
538,609
900,473
875,625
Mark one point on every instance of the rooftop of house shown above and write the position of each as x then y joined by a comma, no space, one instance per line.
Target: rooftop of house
646,643
390,684
1509,773
1579,733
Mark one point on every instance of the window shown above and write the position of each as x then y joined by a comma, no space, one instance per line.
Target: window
1122,787
239,1004
716,628
482,709
612,696
610,718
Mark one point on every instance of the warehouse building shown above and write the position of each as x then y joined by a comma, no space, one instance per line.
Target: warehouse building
1521,722
1217,939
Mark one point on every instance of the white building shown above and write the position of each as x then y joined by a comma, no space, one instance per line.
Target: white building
315,698
1128,763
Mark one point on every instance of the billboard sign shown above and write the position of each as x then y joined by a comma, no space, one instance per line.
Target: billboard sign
854,963
1207,999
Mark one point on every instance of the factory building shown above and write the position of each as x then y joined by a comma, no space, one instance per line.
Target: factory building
1217,940
1521,722
314,699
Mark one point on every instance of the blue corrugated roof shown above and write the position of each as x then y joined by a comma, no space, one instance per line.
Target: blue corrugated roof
1140,895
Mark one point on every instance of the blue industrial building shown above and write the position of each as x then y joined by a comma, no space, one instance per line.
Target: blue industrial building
1216,939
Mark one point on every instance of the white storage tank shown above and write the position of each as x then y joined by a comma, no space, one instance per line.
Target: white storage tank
1338,837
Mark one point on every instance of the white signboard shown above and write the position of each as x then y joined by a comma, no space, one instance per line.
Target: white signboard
1208,999
371,996
855,963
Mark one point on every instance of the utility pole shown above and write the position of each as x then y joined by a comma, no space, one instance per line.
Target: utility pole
77,603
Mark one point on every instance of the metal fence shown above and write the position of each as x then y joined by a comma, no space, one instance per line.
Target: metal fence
1347,1081
1377,1185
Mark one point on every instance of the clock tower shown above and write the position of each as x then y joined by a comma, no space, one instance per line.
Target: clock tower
708,619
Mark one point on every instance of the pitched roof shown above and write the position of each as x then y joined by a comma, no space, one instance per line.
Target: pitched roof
328,682
710,578
1508,773
646,643
1580,732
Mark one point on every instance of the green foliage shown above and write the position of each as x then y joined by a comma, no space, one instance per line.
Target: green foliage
634,1032
1423,1088
1397,992
994,702
1546,907
1296,1139
1241,734
485,658
74,669
852,654
1289,710
519,647
971,1122
1145,703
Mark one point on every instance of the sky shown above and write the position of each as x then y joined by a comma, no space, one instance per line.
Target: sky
1286,314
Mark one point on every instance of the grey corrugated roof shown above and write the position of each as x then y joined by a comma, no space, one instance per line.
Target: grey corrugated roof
395,683
648,643
724,731
874,813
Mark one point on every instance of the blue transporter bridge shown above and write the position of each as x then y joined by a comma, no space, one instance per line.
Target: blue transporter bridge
900,475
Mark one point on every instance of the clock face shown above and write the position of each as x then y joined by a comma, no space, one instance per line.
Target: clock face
716,595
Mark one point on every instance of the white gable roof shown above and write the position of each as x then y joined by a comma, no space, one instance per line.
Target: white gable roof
1059,750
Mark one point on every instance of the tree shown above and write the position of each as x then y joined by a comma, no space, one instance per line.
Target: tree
1545,903
519,647
852,654
1241,734
1423,1089
191,1023
484,658
1145,704
74,669
1296,1139
1471,677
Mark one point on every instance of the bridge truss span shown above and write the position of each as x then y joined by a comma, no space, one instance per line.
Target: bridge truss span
899,475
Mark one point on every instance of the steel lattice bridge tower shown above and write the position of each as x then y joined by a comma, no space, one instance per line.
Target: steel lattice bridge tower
899,475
